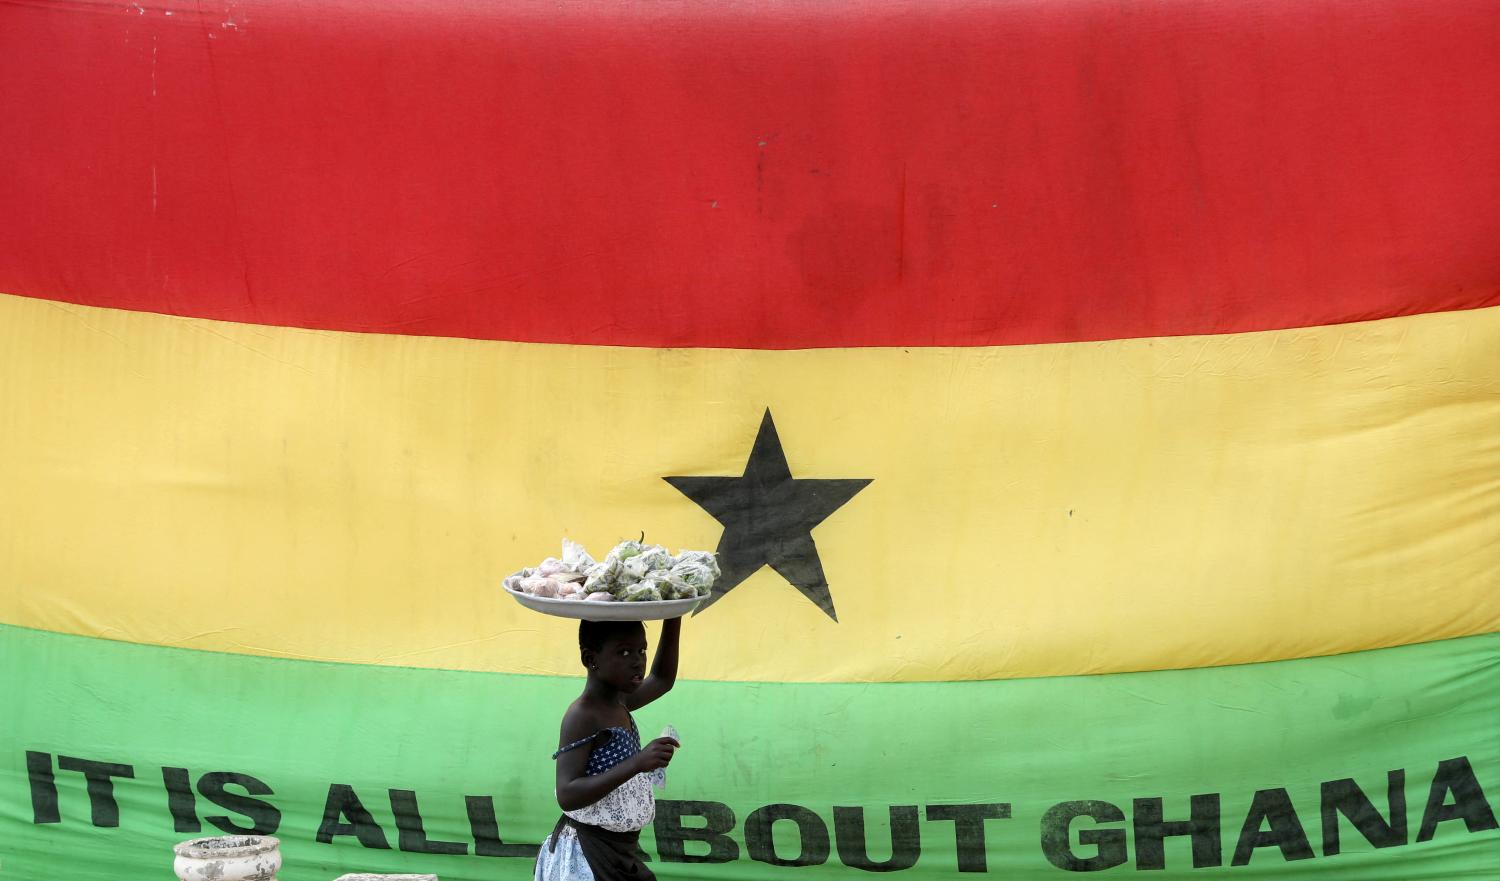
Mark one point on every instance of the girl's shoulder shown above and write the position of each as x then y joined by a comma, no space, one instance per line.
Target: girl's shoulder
580,719
587,725
586,718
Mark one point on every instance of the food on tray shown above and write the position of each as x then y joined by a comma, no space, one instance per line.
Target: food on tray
632,572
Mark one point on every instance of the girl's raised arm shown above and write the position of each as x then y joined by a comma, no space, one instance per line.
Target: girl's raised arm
663,668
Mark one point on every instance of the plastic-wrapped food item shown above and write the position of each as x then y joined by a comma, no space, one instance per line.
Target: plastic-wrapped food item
625,582
600,596
653,559
645,591
539,586
633,569
627,576
550,567
707,559
602,576
575,557
627,549
696,575
656,559
674,588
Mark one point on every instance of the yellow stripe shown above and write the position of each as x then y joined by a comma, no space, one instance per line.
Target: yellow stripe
1035,510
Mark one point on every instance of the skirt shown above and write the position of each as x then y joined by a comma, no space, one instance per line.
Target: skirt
579,852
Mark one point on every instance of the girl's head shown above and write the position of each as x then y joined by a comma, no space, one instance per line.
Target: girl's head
614,652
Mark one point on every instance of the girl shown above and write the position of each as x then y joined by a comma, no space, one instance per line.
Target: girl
603,784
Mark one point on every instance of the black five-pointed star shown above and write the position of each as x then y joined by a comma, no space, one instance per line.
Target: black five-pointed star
768,518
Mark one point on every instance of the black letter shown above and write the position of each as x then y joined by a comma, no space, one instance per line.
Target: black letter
1150,829
1285,832
1345,797
180,800
487,843
342,802
43,788
718,821
1455,776
1056,836
906,840
412,838
102,807
968,829
264,816
813,835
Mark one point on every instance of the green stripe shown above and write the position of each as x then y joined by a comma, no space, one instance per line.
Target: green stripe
301,726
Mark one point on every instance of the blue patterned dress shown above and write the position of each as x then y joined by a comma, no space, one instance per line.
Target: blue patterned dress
627,808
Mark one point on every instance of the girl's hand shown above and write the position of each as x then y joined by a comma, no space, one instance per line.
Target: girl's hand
656,754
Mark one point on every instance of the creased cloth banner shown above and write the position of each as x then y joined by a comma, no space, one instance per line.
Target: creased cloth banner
1094,408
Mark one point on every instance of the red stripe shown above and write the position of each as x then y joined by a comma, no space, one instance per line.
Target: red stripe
793,176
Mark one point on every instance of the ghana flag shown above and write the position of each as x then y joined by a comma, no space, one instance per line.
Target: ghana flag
1096,408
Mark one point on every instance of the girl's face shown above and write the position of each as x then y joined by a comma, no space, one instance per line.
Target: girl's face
621,663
